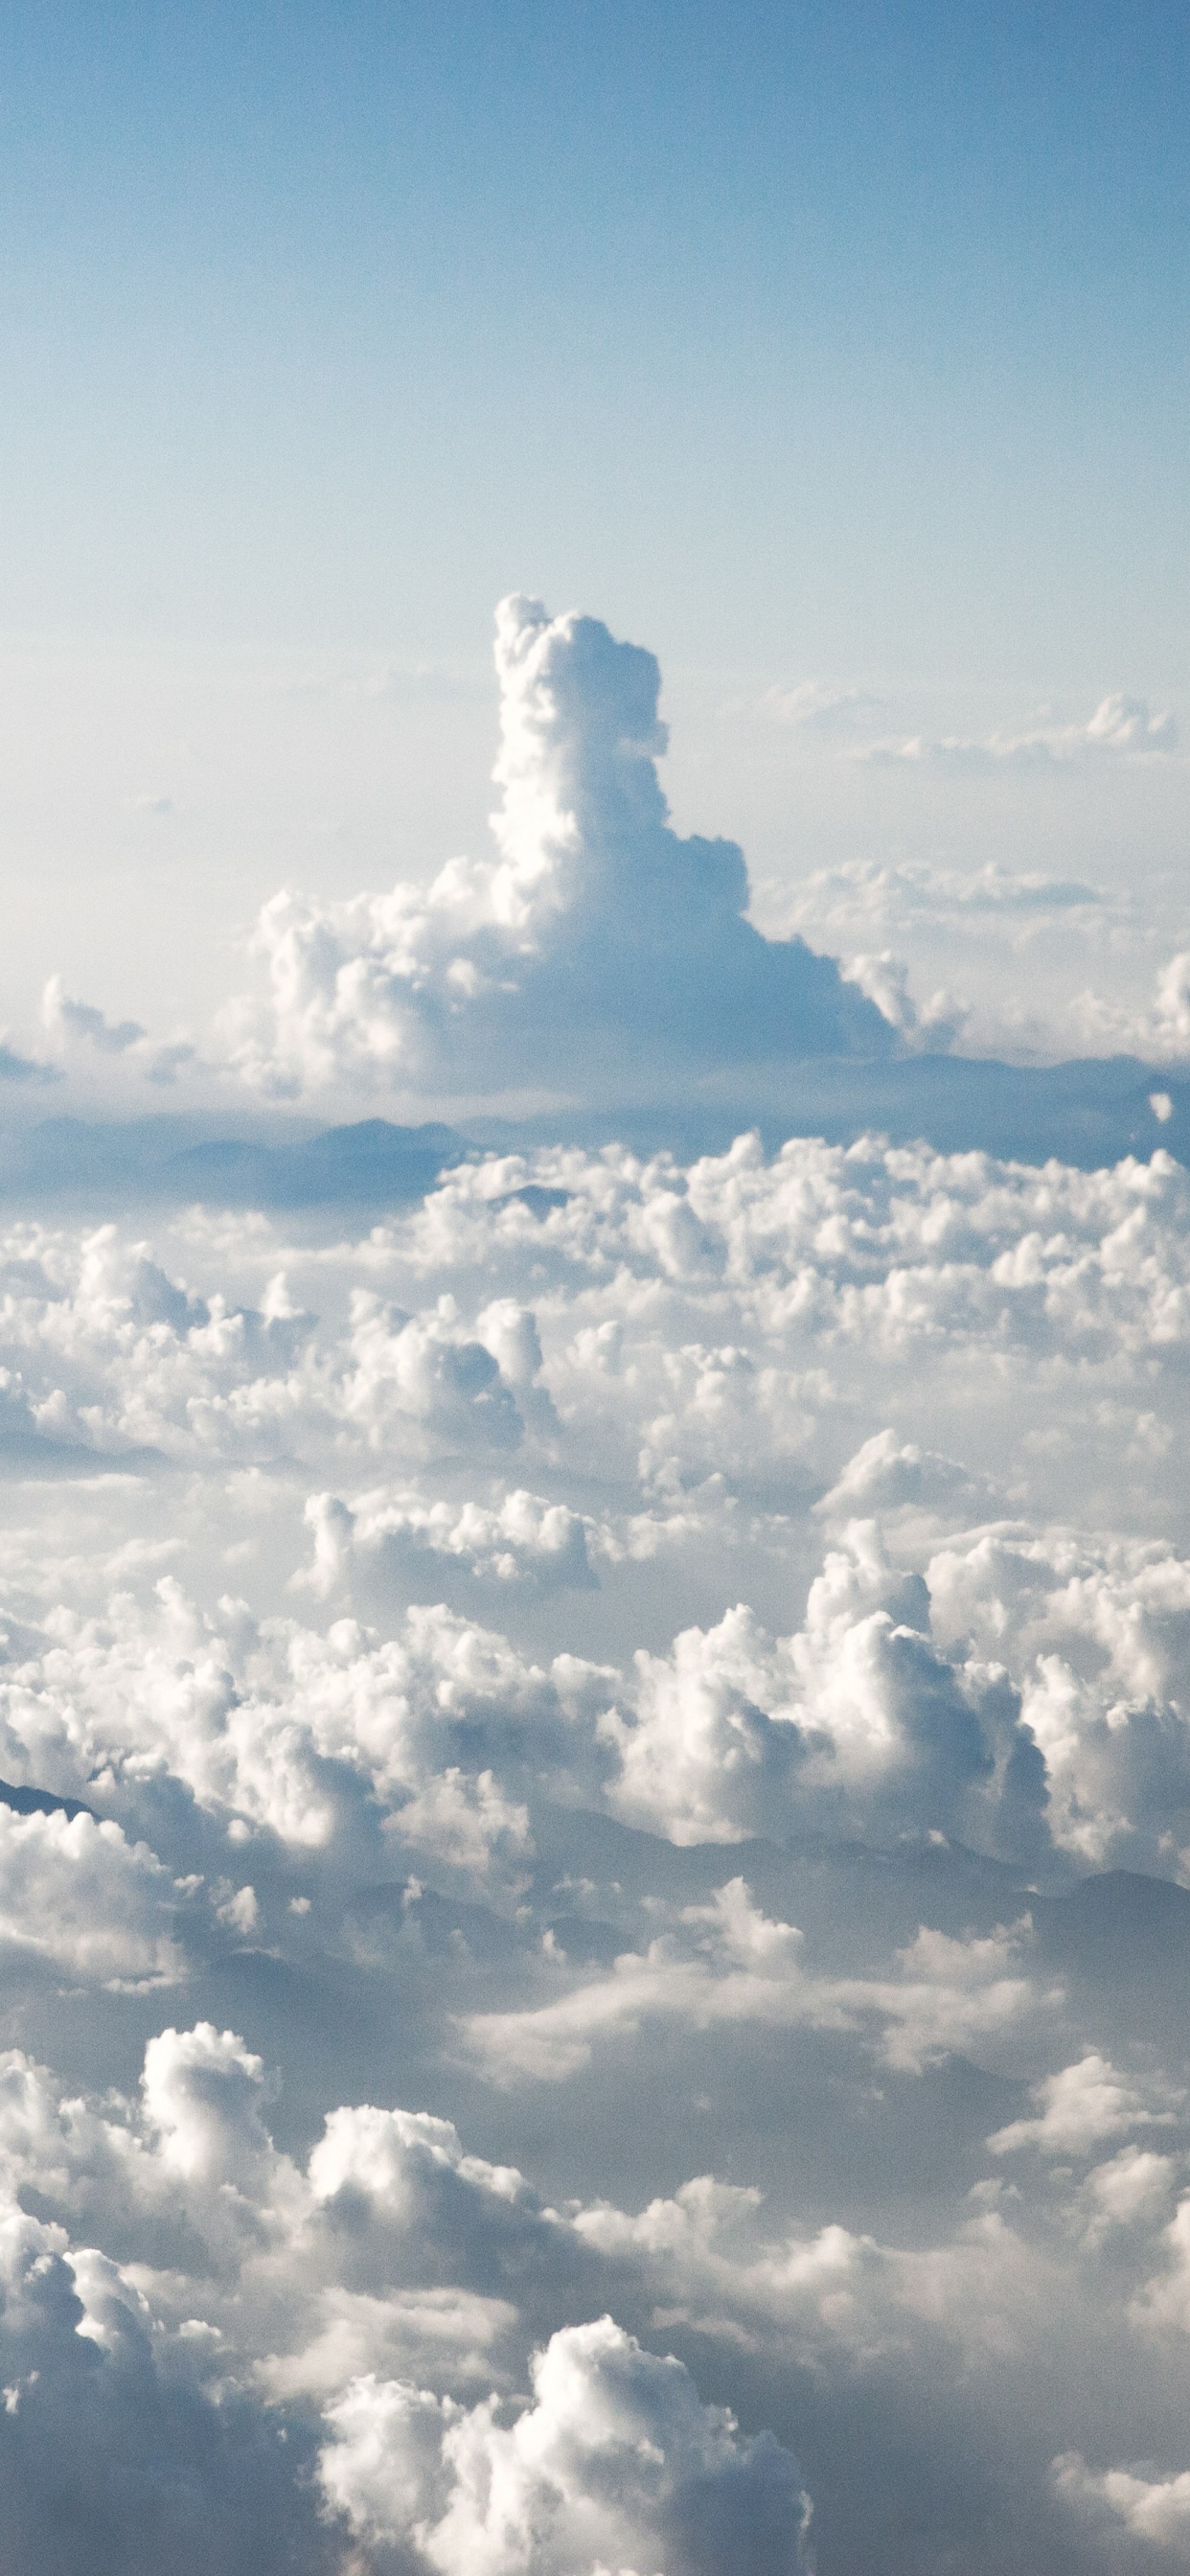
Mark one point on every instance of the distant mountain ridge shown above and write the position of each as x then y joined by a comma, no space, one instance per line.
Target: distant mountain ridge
162,1158
1087,1113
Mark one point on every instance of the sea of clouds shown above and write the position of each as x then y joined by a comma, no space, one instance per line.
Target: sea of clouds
595,1839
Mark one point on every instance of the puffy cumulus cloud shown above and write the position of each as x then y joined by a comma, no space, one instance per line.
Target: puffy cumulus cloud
835,2298
830,1243
954,1704
385,2273
856,1721
381,2302
1134,2188
110,2461
1098,1635
593,926
194,2321
627,1651
1082,2105
136,1695
727,1964
887,1476
615,2464
202,2094
674,1360
363,2298
172,2239
126,2439
1150,2509
222,2281
380,2249
932,1027
711,1333
105,1350
261,2284
76,1896
1158,1030
660,1326
520,1539
279,1727
426,1369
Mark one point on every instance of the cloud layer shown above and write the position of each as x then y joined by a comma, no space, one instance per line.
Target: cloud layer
593,1872
595,1767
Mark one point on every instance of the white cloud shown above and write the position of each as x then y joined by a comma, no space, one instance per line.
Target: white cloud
64,1018
1119,727
1158,1031
1133,2188
68,1022
260,2286
521,1539
77,1895
809,1525
822,706
637,1658
854,1723
1153,2509
726,1964
887,1475
594,921
933,1026
856,1716
1082,2105
857,893
695,1351
1098,1635
1171,1008
614,2462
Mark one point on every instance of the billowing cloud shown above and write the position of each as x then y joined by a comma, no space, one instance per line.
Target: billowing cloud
615,2462
857,1715
594,928
1079,2107
610,1746
355,2261
75,1895
1151,2509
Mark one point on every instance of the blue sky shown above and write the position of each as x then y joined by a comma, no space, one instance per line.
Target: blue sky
780,336
803,345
